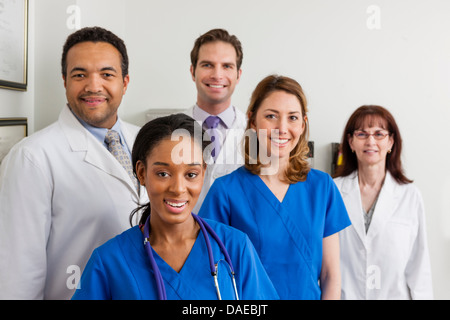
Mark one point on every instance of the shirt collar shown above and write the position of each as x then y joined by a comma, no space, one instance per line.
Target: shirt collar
227,117
100,133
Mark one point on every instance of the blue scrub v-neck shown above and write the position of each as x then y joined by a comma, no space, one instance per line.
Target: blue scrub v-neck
287,235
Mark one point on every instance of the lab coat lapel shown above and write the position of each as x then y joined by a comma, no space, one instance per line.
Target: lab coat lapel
102,159
80,140
231,151
129,139
352,198
385,207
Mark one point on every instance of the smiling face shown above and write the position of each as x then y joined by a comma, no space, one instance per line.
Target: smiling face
173,188
94,82
215,76
371,151
279,123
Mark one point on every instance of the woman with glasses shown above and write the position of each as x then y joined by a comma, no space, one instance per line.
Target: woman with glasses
384,254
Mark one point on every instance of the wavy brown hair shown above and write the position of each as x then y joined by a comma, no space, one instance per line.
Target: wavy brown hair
298,164
372,114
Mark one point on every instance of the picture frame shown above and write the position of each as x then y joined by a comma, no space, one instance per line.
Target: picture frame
12,130
14,44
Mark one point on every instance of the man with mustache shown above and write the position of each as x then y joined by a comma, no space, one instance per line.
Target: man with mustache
63,191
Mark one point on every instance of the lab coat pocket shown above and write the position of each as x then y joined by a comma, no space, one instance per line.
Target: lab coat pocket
399,227
399,235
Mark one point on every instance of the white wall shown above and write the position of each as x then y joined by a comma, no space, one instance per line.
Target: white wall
14,104
326,45
55,20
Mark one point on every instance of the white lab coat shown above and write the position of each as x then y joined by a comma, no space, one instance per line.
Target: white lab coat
230,156
62,194
391,261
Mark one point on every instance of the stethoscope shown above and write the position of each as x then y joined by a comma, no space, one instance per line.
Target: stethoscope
214,267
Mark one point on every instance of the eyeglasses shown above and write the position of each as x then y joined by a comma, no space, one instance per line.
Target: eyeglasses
378,135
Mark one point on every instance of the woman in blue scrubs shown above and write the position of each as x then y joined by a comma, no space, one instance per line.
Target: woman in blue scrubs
291,213
171,261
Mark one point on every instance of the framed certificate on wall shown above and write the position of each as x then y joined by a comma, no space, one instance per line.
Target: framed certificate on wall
13,44
12,130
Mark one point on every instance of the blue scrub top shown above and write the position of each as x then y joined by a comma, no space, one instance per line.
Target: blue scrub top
287,235
120,269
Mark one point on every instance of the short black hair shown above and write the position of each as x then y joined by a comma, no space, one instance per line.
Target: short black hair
95,34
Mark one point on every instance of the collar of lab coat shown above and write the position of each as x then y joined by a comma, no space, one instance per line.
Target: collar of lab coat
384,209
81,140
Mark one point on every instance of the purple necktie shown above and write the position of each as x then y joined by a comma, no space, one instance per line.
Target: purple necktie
212,122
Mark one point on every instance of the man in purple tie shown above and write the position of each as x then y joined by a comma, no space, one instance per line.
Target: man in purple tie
216,60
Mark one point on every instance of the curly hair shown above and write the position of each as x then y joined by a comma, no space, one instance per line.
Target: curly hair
95,34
